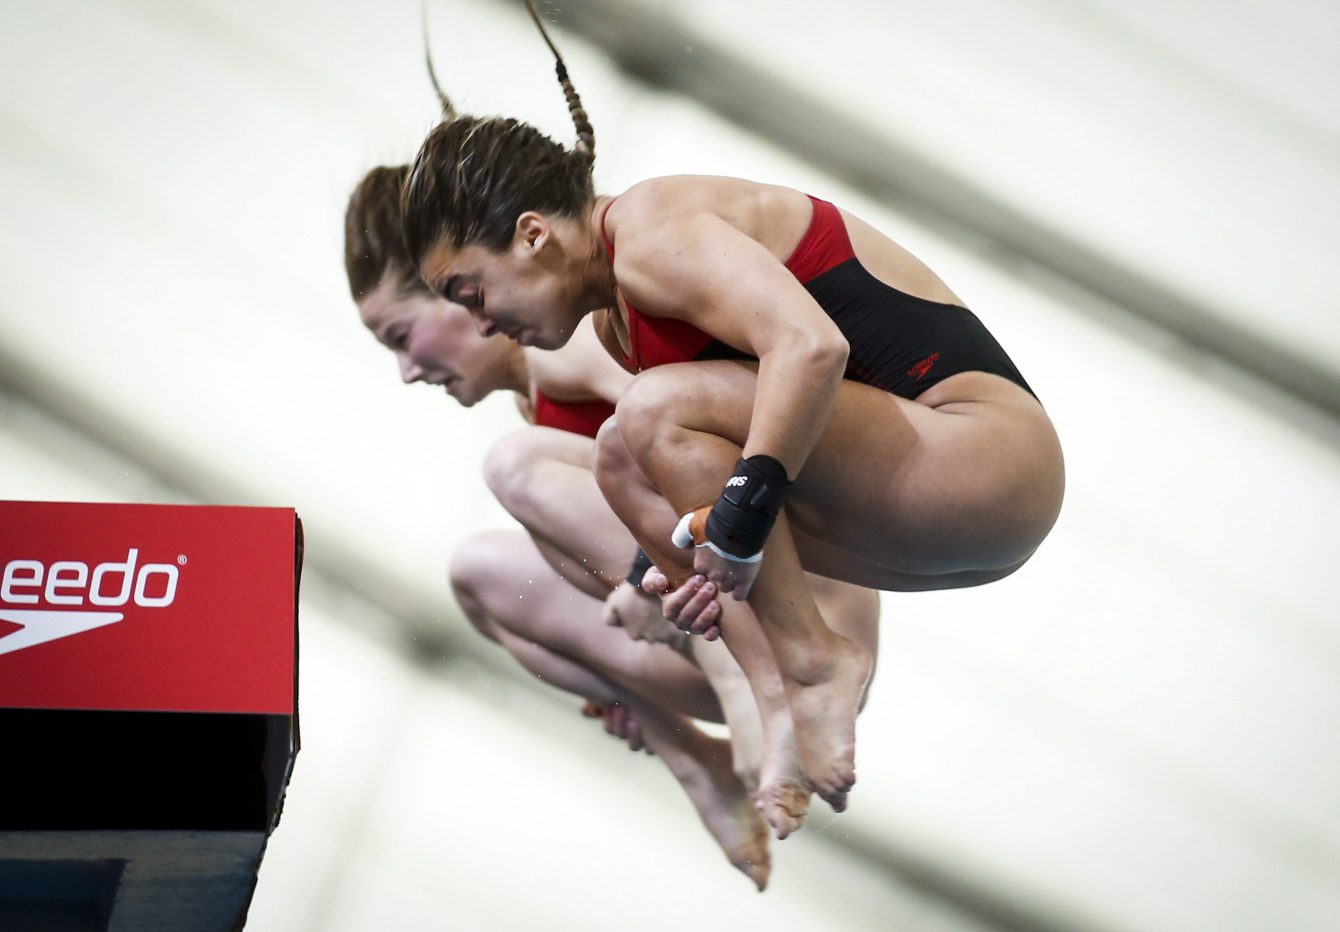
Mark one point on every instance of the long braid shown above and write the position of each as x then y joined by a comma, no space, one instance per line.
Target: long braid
473,177
448,108
586,136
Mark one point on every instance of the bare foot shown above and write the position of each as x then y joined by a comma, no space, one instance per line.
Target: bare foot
737,705
824,712
784,792
725,807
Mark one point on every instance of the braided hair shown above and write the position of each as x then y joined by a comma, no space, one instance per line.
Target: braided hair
586,136
474,176
448,108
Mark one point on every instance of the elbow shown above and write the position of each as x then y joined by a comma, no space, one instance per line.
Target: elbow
817,354
827,355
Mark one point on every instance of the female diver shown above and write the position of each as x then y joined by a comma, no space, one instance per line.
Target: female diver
812,395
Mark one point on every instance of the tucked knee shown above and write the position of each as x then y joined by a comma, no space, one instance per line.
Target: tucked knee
473,575
509,471
648,410
613,465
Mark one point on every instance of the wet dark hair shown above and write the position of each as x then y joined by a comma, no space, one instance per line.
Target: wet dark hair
374,237
474,176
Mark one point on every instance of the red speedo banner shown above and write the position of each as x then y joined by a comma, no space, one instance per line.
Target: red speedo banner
147,607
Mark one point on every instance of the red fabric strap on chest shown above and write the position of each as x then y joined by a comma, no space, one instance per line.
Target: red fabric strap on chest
576,417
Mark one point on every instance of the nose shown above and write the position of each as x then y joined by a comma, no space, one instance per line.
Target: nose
409,370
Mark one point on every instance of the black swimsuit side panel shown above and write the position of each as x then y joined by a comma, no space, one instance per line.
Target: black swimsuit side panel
901,343
719,350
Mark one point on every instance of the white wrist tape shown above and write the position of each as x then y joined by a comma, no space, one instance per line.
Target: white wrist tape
683,539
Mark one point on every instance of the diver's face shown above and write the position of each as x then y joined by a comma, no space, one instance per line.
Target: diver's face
435,341
515,292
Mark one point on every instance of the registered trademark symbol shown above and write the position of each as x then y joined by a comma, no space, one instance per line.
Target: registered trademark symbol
181,559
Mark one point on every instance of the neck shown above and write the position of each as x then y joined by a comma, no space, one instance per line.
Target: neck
516,372
597,270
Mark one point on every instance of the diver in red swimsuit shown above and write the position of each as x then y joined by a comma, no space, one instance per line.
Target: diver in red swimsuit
643,684
880,437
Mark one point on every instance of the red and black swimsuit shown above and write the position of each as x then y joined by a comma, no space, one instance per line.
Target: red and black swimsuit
576,417
898,342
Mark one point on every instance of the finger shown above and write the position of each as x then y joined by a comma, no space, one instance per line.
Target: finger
634,735
707,618
655,582
702,610
591,710
704,562
712,633
672,605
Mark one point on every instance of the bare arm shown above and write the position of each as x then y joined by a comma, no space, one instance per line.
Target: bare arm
580,370
694,266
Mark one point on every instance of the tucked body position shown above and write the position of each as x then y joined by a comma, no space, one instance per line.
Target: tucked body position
810,396
555,596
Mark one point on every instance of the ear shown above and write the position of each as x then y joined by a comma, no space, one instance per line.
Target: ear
532,231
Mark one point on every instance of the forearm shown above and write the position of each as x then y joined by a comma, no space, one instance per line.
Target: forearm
797,386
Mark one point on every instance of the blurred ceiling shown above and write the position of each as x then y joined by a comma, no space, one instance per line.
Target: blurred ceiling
1180,160
1145,195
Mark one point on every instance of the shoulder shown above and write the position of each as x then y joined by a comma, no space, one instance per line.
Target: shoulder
669,197
644,203
670,209
658,214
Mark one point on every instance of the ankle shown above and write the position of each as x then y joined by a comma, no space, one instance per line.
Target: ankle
817,660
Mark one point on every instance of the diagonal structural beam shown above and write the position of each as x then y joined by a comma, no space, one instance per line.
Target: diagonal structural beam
655,49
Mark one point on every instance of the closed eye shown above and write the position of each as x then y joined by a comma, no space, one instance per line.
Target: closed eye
463,292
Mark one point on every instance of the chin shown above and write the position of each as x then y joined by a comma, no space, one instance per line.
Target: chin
549,341
466,398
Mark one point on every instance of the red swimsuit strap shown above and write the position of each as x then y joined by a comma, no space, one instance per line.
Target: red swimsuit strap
655,341
824,245
632,360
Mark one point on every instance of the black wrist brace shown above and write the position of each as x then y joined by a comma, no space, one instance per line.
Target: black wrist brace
641,563
749,504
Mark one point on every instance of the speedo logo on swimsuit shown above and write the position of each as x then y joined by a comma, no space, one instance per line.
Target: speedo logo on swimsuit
735,480
87,596
919,370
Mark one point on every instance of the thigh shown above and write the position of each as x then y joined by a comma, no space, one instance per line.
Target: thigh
544,478
971,485
525,595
